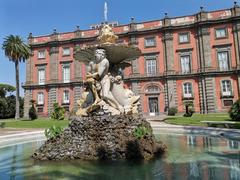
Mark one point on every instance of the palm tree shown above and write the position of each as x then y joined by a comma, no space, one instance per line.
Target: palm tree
17,51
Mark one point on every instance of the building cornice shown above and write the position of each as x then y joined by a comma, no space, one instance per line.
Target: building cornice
162,29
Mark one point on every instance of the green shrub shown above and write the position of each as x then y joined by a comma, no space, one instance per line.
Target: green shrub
141,132
234,111
58,112
32,111
53,132
172,111
190,113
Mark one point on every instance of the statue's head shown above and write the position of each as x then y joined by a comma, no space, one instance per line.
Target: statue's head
100,54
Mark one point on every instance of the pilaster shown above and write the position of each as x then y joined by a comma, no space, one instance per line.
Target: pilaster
172,93
77,95
52,98
54,64
210,94
136,88
77,70
168,51
27,104
205,47
236,35
135,66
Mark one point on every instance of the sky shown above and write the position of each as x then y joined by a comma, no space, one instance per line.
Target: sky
20,17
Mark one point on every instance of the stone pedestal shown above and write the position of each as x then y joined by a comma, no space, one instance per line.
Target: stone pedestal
101,137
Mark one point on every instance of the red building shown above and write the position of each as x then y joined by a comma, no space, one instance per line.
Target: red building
191,58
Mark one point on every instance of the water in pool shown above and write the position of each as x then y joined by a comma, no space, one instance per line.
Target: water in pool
187,157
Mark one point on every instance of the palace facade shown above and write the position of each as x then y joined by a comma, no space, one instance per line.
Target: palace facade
191,58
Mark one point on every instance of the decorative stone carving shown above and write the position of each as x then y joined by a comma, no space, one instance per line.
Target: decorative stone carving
104,89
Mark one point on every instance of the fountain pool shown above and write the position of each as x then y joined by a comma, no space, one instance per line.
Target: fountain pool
189,156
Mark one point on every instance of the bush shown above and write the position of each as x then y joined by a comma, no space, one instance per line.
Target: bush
58,112
141,132
234,111
53,132
172,111
32,111
190,113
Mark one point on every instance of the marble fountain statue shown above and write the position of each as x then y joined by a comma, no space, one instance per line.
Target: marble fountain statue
108,123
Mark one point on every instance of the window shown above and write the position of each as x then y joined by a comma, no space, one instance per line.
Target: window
133,40
66,51
41,54
187,90
150,42
226,88
153,89
66,73
184,38
41,76
221,33
227,102
65,96
151,66
223,61
40,98
185,64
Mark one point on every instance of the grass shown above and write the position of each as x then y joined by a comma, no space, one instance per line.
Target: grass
196,119
40,123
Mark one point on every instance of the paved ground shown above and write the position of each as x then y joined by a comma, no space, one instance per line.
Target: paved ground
156,122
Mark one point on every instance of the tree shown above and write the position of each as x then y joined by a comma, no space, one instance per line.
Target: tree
7,102
234,111
17,51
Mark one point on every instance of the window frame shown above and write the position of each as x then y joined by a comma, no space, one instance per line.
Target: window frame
190,63
188,37
188,95
63,74
64,100
228,60
221,28
229,93
149,46
42,98
39,80
44,52
151,57
64,48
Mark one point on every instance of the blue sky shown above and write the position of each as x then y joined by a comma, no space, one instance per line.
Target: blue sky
19,17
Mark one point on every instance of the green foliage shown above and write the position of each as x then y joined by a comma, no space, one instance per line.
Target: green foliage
6,88
15,49
32,111
172,111
190,113
8,102
53,132
234,111
58,112
141,132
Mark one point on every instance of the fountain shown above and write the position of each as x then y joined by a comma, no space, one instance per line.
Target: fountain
109,123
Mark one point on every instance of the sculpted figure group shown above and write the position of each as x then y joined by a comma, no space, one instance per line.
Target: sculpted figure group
107,90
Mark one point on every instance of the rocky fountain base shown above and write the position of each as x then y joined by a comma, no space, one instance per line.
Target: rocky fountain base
102,137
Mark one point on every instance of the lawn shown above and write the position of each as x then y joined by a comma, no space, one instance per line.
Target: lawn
41,123
196,119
